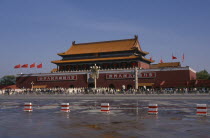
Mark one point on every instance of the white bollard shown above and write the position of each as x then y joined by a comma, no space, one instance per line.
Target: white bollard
28,107
65,107
105,107
153,109
201,109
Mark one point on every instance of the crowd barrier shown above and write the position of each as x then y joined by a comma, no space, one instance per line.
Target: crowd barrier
105,107
28,107
65,107
201,109
152,109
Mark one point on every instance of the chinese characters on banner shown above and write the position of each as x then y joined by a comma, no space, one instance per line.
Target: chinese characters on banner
57,78
129,75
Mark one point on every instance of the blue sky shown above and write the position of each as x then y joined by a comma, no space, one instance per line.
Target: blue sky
36,30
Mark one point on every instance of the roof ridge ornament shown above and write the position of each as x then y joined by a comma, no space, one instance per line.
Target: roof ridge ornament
136,37
73,42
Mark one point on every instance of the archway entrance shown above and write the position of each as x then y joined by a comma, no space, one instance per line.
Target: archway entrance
112,86
129,86
91,85
71,86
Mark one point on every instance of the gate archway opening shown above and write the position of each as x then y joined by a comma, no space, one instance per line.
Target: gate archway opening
91,85
112,86
129,86
71,86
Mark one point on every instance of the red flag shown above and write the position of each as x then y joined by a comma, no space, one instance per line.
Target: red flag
24,66
150,58
17,66
32,65
39,66
173,57
183,58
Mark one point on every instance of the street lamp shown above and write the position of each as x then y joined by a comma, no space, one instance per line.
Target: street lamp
32,85
136,78
135,73
95,73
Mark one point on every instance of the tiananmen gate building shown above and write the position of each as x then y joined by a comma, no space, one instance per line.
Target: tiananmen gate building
117,60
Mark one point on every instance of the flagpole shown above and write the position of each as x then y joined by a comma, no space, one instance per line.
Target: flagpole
183,58
172,58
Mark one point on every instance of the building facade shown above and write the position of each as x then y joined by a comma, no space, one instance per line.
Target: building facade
117,60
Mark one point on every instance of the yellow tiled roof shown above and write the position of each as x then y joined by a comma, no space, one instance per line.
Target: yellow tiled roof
167,64
94,59
170,64
105,46
54,70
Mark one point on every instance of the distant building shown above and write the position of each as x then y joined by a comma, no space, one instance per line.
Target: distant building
117,60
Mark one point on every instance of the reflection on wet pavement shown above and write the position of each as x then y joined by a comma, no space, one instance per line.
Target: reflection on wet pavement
86,120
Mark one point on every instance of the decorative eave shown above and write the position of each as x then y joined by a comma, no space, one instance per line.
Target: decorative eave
63,54
137,46
95,59
144,53
151,61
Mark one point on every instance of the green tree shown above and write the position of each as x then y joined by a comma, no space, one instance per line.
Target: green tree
203,75
8,80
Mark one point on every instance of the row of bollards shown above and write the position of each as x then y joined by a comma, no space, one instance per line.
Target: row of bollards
152,108
65,107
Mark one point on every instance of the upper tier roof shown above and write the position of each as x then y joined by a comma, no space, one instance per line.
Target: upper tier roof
104,46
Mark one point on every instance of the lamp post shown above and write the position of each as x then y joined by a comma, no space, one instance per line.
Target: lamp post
136,78
95,73
32,85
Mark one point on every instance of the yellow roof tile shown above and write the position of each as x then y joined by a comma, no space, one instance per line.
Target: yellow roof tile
167,64
105,46
54,70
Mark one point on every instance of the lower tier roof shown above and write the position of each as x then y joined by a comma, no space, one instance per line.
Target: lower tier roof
98,59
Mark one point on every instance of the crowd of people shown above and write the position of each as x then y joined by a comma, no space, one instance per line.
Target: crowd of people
70,91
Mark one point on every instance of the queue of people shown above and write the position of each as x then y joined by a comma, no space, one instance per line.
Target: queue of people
70,91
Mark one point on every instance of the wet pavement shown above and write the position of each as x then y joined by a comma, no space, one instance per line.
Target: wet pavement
128,118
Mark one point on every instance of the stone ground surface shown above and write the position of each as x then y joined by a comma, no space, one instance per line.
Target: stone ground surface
127,118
